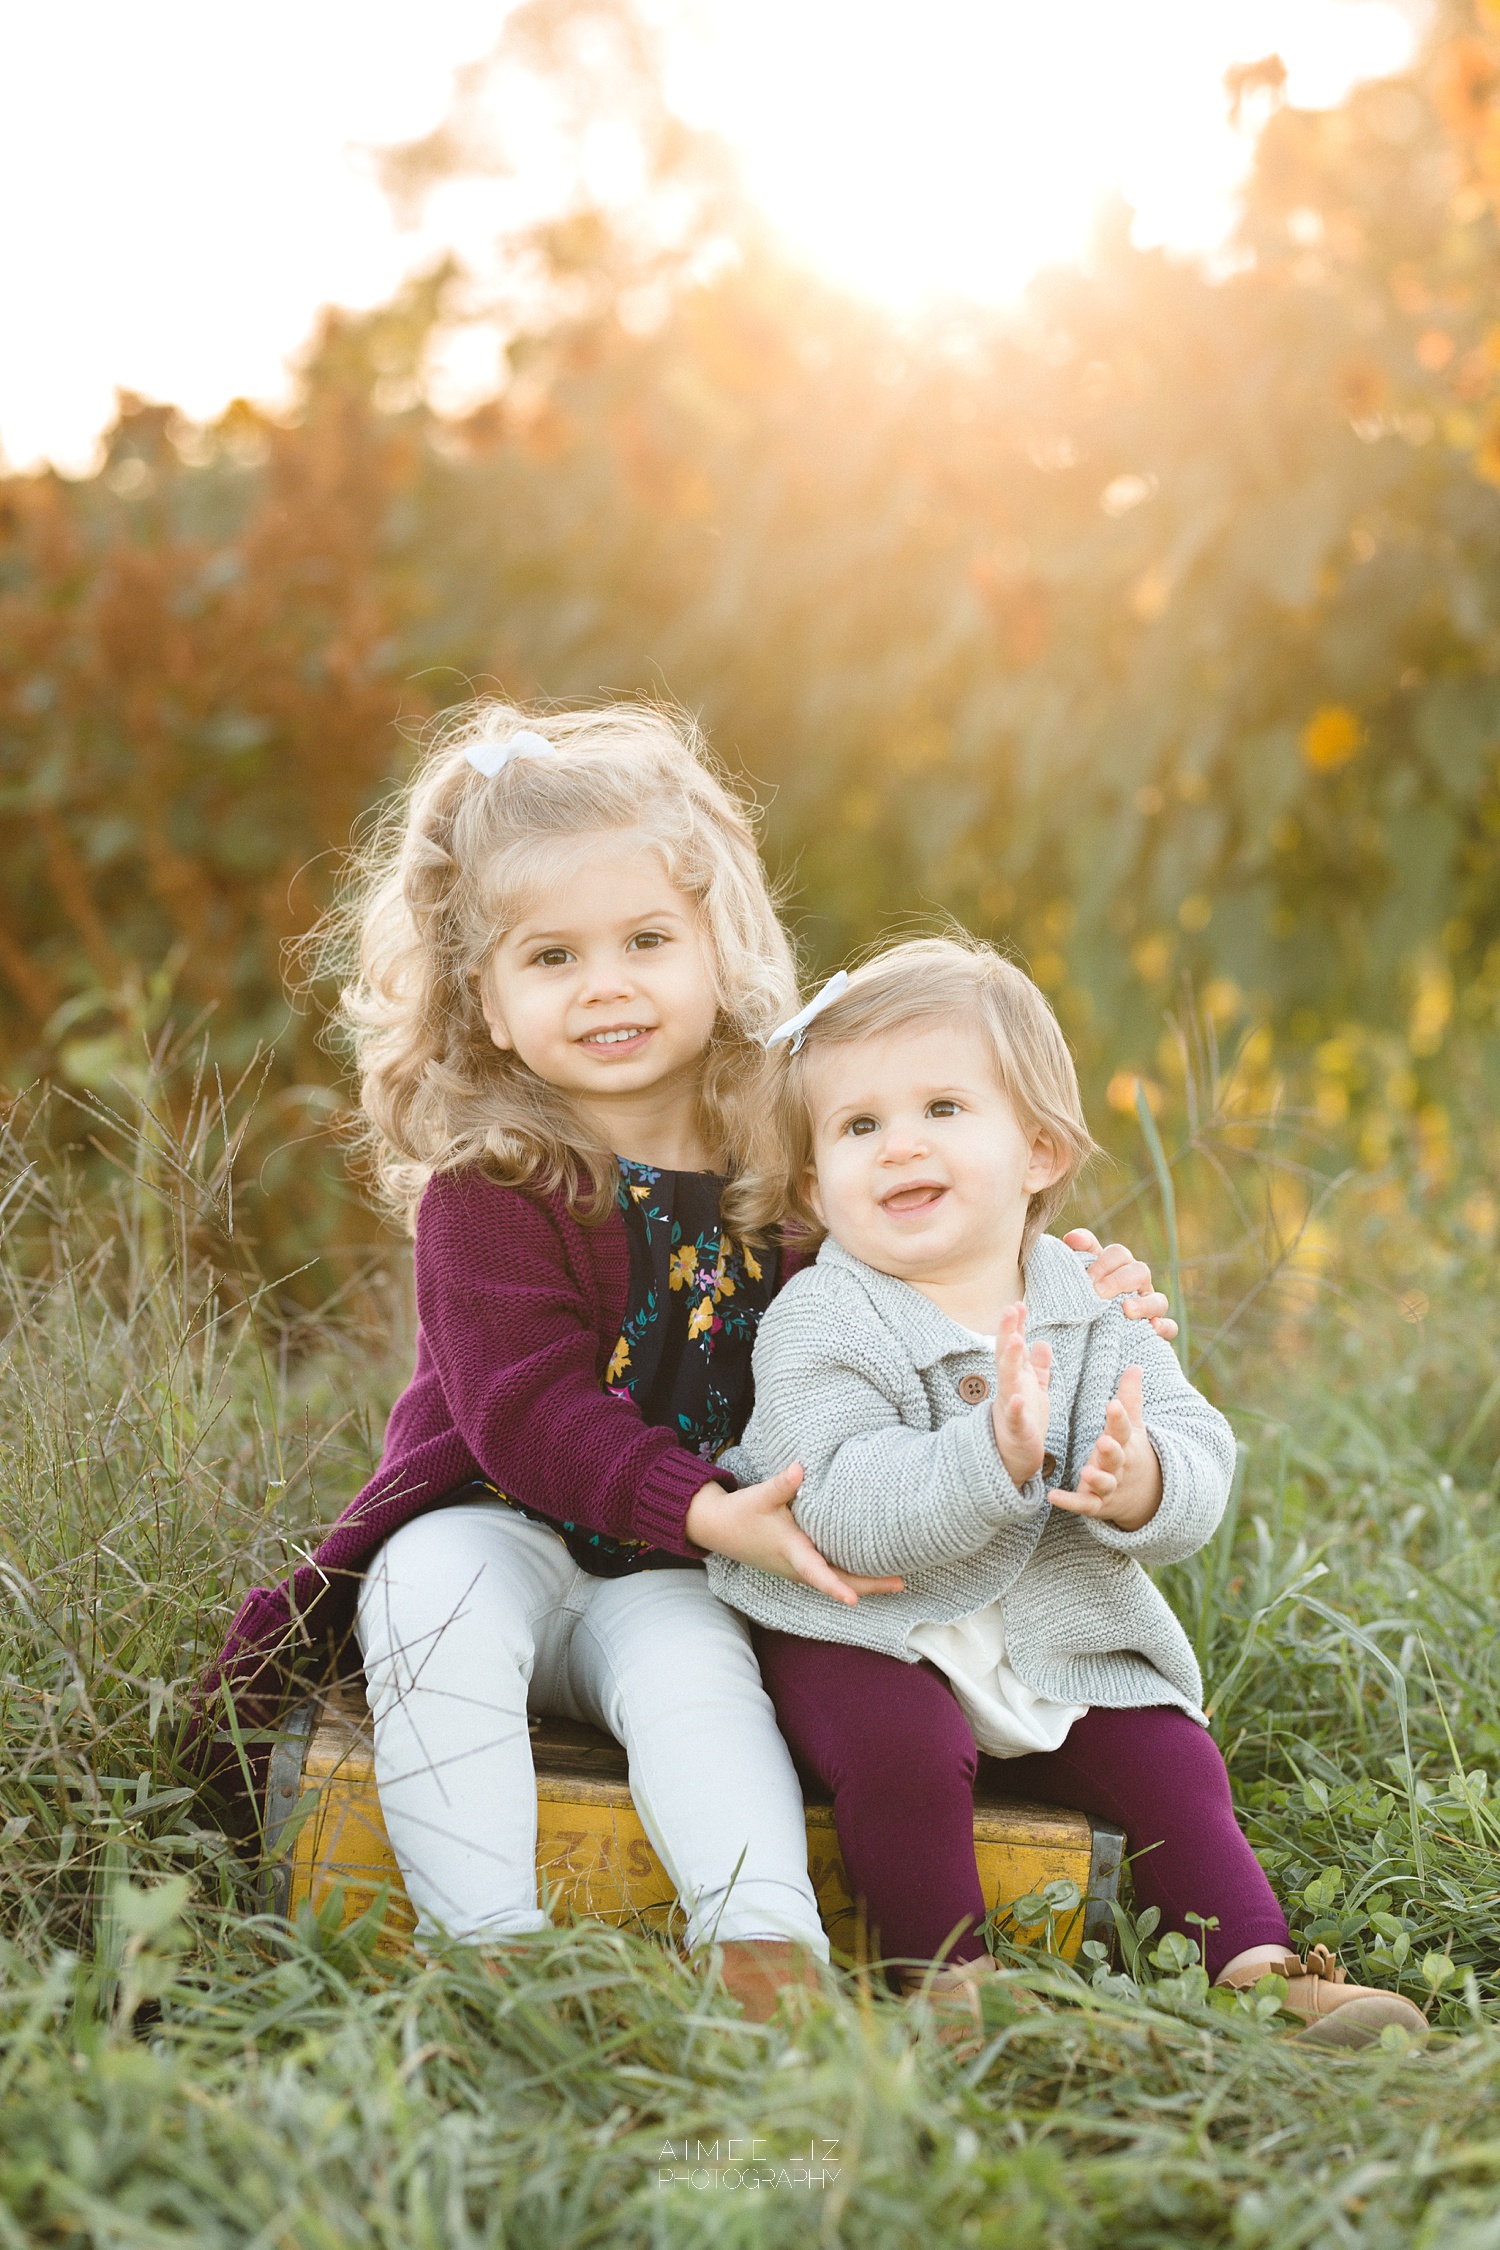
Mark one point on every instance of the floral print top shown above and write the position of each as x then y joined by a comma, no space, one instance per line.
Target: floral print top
696,1299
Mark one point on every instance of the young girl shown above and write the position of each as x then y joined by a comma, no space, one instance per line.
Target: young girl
969,1415
569,962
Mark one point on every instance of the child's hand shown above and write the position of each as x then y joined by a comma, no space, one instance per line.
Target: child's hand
1117,1272
1121,1483
755,1525
1019,1408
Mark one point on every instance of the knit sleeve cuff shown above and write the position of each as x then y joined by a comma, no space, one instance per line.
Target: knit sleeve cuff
985,1473
666,1493
1176,1530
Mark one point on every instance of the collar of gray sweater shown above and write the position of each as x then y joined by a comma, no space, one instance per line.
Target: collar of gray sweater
1059,1294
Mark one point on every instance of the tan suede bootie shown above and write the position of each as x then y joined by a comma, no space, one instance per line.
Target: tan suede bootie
951,1995
757,1971
1334,2012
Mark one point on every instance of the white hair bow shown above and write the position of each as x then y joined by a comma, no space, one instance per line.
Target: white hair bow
488,757
795,1027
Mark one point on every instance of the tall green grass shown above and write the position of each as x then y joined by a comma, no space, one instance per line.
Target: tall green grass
176,2069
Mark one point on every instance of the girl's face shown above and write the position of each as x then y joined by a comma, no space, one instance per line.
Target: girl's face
603,986
921,1167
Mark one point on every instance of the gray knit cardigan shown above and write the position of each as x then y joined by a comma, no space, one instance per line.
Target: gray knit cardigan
857,1377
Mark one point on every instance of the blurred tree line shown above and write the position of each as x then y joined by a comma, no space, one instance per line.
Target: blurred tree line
1152,627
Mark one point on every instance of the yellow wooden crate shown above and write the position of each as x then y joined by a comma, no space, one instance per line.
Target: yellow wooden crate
324,1832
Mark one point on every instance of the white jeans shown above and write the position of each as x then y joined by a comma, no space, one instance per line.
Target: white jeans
472,1616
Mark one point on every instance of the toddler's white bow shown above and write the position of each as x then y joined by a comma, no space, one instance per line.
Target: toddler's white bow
795,1027
488,757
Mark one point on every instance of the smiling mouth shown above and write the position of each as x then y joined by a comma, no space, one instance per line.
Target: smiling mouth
922,1195
623,1035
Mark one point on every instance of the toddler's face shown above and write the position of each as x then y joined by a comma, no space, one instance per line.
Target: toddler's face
922,1169
603,986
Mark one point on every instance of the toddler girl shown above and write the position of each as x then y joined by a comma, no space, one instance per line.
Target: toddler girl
568,964
969,1415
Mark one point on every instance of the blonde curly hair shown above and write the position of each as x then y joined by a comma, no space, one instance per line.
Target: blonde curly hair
449,865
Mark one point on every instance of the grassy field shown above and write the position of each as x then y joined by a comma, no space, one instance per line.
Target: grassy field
176,2069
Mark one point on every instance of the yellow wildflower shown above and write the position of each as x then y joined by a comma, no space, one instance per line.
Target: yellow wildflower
619,1361
1331,737
684,1261
701,1318
1487,457
1123,1090
751,1266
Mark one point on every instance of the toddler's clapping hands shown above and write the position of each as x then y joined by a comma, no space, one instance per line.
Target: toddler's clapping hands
1019,1408
1121,1481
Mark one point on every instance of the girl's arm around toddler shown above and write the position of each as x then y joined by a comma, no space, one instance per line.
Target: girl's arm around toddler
514,1298
515,1301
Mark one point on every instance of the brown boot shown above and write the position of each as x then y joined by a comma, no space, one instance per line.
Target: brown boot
1334,2012
756,1972
502,1960
952,1996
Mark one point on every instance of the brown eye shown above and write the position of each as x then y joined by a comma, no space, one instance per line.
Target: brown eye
552,957
942,1109
648,939
862,1125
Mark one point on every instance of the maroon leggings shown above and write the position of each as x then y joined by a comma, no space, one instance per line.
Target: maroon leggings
891,1743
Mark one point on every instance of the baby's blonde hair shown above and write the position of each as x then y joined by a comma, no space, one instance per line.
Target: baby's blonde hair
447,869
928,980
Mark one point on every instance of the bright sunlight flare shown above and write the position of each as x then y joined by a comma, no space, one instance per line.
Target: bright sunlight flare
186,188
957,146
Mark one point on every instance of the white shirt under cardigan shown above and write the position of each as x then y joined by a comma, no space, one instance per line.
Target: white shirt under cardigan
872,1388
1009,1719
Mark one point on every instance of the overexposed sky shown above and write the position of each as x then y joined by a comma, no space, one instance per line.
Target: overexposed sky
181,184
921,145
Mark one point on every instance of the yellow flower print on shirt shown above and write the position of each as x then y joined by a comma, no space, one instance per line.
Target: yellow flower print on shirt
695,1300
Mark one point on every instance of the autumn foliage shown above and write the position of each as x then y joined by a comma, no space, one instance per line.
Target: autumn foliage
1153,627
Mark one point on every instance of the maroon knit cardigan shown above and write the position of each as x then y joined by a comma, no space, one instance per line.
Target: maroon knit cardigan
519,1308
